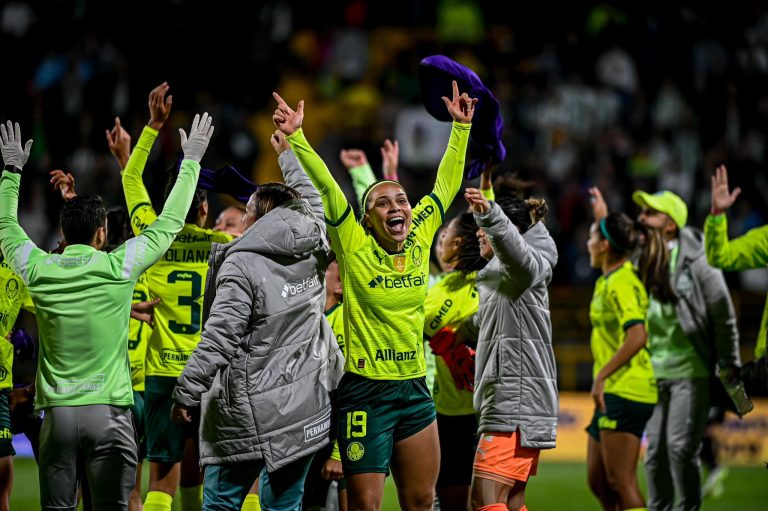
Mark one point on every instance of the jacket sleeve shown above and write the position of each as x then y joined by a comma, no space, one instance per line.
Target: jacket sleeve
17,248
721,314
742,253
296,178
144,250
522,264
224,331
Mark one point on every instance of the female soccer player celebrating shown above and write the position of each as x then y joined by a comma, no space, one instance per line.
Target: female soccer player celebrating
386,417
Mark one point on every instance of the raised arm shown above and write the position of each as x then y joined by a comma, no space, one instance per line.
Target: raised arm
742,253
15,245
359,170
136,197
288,121
142,251
119,143
225,328
523,264
294,175
450,173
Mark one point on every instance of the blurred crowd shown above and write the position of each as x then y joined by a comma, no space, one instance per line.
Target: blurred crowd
622,97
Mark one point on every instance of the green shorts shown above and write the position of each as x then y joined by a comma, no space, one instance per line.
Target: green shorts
165,439
621,415
6,437
371,415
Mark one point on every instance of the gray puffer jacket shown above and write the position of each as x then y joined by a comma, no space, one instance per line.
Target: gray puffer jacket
267,359
516,377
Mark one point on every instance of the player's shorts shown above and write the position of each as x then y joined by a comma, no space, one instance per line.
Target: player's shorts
501,458
621,415
374,414
164,438
458,443
6,437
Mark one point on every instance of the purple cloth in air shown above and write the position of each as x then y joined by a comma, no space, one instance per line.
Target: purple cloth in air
23,345
227,180
436,73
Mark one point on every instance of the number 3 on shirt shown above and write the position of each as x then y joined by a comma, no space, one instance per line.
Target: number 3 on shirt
356,420
187,301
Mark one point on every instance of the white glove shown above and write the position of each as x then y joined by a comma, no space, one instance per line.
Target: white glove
199,135
10,145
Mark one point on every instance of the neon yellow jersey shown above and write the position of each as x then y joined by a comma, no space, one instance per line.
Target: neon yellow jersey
178,278
384,293
335,317
138,336
448,303
13,296
619,302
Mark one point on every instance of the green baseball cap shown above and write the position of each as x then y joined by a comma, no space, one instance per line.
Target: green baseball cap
665,202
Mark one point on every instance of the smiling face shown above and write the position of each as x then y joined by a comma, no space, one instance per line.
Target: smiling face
486,250
448,245
388,215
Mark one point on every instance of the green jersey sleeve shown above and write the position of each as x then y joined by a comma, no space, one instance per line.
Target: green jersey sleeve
140,208
19,252
346,234
450,173
629,301
742,253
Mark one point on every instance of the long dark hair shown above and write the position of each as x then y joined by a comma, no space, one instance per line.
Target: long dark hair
524,213
625,236
467,259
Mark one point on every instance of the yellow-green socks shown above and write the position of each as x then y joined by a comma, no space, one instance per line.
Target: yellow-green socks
158,501
192,498
251,503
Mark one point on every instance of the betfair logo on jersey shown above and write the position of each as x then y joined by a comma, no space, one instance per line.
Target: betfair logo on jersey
175,356
193,238
404,281
438,319
390,355
295,288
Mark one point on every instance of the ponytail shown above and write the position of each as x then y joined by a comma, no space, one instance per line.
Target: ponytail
523,213
625,237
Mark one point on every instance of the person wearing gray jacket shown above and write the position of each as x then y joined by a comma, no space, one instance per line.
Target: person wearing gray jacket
267,360
515,377
687,339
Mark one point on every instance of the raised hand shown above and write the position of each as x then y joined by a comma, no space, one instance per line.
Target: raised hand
159,106
65,183
119,142
477,202
390,154
722,197
599,207
461,107
352,158
279,143
199,136
10,145
285,118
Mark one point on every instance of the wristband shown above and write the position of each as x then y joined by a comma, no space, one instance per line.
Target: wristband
12,168
714,211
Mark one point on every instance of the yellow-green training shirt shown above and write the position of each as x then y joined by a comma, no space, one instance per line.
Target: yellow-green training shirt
384,293
448,303
178,278
619,302
13,297
138,336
